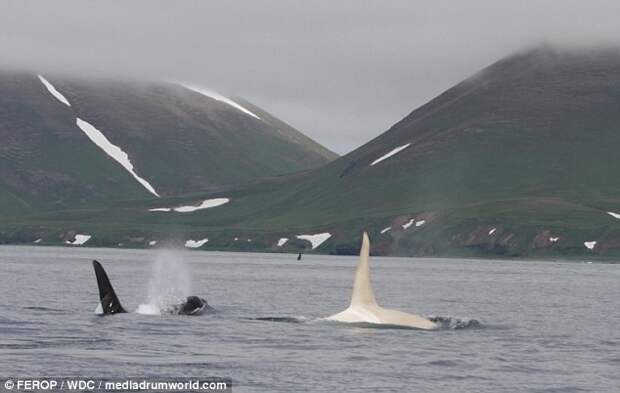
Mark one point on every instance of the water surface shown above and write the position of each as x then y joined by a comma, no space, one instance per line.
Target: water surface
543,326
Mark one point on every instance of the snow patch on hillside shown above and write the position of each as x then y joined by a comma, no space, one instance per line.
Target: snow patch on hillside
420,223
316,239
384,230
554,239
79,240
53,91
614,215
408,224
221,98
590,245
492,231
282,241
113,151
390,154
206,204
196,243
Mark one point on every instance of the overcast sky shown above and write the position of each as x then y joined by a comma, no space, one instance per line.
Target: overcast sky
340,71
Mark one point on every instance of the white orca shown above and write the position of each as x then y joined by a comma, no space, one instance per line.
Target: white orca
109,303
364,308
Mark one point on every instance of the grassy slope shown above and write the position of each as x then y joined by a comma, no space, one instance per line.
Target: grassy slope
45,160
286,132
179,140
183,140
527,146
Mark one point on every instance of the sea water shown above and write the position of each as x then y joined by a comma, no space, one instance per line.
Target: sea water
507,326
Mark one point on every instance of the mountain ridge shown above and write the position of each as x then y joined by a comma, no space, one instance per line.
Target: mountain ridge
180,140
517,160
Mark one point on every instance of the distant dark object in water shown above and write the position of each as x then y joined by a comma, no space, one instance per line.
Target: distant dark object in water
299,257
280,319
110,304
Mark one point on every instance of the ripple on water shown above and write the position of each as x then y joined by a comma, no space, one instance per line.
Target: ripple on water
357,358
444,363
47,309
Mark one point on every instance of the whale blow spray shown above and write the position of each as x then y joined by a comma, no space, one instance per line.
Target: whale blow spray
170,283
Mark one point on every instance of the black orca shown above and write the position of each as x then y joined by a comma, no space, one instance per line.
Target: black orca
110,304
193,305
109,301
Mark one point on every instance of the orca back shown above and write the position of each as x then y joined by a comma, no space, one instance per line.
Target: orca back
109,301
194,305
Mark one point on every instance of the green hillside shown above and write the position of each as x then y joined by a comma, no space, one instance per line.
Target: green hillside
178,140
518,160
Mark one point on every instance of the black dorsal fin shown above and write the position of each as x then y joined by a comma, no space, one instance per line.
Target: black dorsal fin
109,302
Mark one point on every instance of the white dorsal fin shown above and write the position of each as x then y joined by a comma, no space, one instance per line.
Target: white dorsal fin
362,288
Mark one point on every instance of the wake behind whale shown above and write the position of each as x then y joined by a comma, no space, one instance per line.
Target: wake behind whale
442,322
454,323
